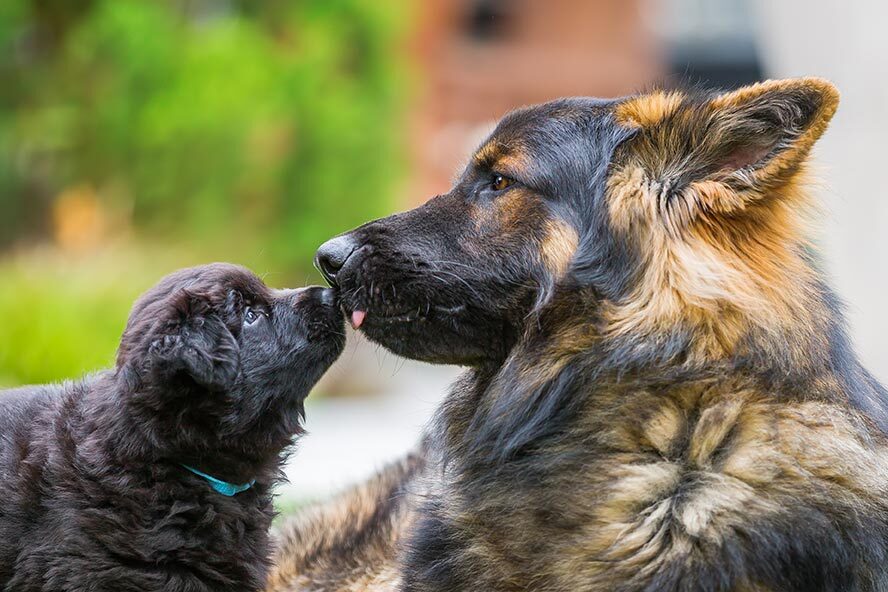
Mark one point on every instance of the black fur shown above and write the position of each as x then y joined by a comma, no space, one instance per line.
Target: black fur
94,495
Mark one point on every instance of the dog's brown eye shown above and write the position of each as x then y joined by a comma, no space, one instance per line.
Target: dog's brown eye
499,182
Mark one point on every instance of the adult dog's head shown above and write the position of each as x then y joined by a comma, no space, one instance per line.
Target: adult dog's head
213,362
663,225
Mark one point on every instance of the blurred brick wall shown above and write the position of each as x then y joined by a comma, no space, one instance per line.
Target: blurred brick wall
477,59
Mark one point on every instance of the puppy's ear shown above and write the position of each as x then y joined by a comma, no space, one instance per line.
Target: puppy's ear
194,341
722,154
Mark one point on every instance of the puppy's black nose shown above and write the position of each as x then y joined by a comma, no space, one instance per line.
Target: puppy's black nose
326,296
332,256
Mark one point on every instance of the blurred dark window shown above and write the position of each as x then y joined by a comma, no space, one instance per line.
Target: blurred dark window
487,20
709,42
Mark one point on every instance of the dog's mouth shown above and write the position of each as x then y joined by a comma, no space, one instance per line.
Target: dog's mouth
358,316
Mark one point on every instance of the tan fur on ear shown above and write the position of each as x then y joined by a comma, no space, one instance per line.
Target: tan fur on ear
721,247
798,150
822,86
647,110
718,155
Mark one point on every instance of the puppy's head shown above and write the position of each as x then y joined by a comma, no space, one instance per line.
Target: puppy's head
211,355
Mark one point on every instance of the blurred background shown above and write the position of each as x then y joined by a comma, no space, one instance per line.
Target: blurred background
138,136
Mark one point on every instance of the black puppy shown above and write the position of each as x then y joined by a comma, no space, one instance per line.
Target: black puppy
157,475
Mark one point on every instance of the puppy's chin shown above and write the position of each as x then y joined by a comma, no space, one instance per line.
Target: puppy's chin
272,398
309,371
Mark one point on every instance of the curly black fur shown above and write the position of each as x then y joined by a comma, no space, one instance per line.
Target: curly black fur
94,494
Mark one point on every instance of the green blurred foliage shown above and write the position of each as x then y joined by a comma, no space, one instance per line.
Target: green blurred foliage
204,129
269,123
62,320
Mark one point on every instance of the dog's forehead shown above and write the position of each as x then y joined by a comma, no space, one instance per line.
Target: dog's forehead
535,141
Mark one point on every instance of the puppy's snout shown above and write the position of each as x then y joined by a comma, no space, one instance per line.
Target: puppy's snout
327,297
318,294
333,254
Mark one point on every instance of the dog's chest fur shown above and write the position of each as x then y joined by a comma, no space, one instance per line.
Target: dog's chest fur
644,488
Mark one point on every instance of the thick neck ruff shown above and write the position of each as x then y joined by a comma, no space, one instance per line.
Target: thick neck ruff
225,488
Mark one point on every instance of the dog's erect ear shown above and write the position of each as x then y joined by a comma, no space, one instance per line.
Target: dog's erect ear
723,153
194,341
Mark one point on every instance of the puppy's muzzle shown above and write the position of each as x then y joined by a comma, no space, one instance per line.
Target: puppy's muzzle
311,295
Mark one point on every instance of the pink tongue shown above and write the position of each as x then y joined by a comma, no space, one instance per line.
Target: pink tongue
358,318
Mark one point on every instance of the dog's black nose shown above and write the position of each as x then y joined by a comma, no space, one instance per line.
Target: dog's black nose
332,256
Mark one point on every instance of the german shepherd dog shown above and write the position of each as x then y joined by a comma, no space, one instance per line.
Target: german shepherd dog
661,395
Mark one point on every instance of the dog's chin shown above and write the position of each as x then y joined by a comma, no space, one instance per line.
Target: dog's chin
438,337
422,322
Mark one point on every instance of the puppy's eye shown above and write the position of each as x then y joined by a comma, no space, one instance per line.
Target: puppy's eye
500,182
252,315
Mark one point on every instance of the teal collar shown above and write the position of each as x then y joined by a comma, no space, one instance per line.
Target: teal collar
223,487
